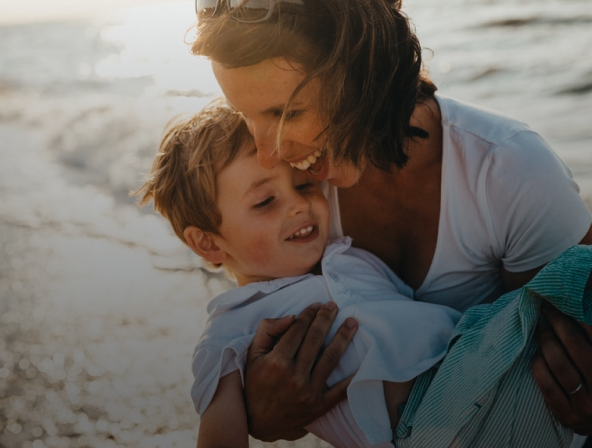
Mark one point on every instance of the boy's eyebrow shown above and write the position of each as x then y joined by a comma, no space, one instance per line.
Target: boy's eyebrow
256,185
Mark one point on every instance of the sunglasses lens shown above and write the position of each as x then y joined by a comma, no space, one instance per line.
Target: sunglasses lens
251,11
247,11
251,4
200,5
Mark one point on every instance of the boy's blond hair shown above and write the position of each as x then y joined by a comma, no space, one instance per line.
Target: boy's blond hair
182,182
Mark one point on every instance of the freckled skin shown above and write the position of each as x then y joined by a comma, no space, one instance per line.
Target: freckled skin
260,93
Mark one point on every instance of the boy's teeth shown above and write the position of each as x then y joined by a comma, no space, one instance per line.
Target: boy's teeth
302,232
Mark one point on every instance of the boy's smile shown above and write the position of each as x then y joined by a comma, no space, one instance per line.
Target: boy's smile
275,222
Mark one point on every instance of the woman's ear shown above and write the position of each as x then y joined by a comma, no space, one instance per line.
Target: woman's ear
203,245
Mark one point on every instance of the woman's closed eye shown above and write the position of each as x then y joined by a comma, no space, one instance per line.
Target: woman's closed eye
288,115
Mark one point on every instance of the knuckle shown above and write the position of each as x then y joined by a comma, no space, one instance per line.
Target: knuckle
343,335
588,412
325,316
572,335
315,335
546,388
296,383
307,314
309,399
277,366
302,324
561,368
332,356
568,421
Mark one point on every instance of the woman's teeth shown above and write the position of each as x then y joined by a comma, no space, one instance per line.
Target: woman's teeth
302,232
306,163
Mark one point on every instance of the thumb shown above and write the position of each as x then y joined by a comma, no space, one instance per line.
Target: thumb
267,333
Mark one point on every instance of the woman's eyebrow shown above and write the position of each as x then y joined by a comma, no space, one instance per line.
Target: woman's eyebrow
280,107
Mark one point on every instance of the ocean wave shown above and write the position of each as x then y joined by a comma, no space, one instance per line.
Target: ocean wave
577,89
514,22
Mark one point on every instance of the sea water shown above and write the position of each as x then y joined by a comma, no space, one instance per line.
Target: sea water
100,304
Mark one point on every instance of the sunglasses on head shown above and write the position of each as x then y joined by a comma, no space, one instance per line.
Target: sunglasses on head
248,11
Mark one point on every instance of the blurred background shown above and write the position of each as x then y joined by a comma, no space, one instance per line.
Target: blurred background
100,305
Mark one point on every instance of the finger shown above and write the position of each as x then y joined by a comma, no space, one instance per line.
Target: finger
315,338
334,351
266,336
587,330
569,402
551,390
570,349
336,394
556,357
292,340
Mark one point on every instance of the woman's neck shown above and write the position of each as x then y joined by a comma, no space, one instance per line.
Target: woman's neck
394,214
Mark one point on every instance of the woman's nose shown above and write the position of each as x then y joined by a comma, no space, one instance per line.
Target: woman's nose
265,140
267,155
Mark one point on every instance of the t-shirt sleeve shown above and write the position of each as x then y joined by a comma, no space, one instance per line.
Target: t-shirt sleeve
534,203
212,362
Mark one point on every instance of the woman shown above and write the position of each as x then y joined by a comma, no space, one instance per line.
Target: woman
459,202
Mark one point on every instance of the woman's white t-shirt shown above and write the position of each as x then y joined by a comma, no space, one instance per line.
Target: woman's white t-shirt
507,200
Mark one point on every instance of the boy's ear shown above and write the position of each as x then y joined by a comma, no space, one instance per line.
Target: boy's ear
203,245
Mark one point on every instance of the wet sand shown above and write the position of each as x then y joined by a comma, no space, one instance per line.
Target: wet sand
98,316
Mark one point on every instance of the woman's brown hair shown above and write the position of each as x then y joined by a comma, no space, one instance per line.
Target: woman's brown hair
365,54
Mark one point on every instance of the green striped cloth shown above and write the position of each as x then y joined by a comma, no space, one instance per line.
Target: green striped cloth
483,393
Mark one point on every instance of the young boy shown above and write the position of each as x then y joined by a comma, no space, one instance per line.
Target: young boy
269,229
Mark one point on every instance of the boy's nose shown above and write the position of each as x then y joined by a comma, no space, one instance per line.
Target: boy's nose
299,204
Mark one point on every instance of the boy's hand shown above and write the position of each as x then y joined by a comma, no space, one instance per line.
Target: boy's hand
562,369
285,380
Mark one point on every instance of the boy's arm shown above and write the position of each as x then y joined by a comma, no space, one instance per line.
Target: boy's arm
224,422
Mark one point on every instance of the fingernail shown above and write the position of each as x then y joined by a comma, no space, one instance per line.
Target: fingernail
330,306
316,306
350,322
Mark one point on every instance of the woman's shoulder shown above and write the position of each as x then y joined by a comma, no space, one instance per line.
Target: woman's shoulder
469,121
482,140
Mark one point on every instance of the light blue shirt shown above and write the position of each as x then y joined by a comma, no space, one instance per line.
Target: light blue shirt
398,338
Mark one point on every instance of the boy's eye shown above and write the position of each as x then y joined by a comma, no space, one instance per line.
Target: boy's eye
264,203
304,186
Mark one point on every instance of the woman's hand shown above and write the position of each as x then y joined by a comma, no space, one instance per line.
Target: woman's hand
562,369
285,380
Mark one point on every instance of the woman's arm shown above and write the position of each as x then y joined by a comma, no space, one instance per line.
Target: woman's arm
562,367
224,422
284,386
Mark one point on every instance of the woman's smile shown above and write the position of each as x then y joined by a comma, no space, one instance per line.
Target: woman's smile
261,92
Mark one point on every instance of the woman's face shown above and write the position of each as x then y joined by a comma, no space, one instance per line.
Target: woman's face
260,92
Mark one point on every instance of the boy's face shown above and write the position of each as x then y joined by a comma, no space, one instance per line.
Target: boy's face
275,222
